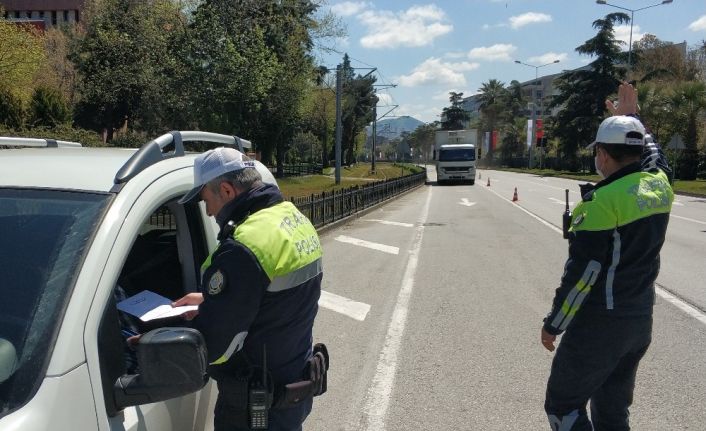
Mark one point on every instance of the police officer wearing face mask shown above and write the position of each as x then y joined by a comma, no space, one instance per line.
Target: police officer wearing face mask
604,302
259,297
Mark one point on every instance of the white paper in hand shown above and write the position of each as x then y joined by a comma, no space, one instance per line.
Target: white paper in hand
148,305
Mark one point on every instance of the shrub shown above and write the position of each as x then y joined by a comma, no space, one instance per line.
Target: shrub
47,108
11,110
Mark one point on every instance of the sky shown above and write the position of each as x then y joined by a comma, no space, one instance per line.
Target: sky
428,49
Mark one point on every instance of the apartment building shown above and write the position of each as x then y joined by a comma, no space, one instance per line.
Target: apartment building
47,13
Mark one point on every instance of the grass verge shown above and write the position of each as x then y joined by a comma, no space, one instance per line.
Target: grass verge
355,175
696,187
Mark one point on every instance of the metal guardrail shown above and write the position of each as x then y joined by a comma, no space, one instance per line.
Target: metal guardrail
298,170
326,208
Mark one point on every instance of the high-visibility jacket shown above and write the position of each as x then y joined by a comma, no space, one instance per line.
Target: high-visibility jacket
261,285
616,235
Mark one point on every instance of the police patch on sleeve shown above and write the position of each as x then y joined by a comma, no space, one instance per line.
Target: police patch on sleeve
579,218
216,283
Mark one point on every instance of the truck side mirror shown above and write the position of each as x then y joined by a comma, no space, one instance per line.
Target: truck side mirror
172,363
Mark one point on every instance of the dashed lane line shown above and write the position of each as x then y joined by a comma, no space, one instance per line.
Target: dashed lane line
687,219
353,309
391,223
368,244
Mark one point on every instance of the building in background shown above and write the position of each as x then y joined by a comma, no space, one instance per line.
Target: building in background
43,13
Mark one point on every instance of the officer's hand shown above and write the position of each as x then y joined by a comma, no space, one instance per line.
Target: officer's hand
132,341
627,101
189,299
548,340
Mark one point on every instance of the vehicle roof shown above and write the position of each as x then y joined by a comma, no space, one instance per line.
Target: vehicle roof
87,169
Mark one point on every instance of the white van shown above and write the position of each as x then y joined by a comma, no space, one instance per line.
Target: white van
456,162
76,223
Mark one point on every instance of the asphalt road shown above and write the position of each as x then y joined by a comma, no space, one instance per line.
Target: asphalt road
433,306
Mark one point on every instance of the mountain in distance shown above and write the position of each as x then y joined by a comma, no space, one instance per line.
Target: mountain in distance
392,128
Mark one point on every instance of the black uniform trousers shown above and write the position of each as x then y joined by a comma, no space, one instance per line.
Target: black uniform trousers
228,417
596,360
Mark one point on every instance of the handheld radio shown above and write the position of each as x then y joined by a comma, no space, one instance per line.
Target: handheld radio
258,400
566,218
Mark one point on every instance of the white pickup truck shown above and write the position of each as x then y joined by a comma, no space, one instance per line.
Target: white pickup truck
75,223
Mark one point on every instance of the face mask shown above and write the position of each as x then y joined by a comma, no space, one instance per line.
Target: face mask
598,170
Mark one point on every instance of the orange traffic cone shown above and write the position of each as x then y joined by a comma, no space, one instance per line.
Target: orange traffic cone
488,182
514,196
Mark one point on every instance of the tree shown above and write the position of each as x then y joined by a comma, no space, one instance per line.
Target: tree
229,72
513,101
306,147
655,110
358,101
660,61
514,138
21,56
454,116
287,26
11,111
583,92
688,102
48,108
423,137
57,71
319,117
696,55
491,98
124,60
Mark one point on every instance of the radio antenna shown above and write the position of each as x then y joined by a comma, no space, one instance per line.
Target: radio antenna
264,365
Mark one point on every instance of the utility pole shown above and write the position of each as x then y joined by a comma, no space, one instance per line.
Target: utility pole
375,122
632,16
339,125
375,133
339,131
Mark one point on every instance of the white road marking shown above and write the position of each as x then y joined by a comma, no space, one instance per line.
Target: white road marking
391,223
378,399
539,219
465,201
682,305
677,203
685,307
353,309
687,219
368,244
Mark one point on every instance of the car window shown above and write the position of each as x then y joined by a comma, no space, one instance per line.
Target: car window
43,237
166,250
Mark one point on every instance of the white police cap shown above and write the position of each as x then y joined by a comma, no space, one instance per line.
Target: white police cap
615,130
214,163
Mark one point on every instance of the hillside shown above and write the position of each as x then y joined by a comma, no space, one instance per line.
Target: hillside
392,128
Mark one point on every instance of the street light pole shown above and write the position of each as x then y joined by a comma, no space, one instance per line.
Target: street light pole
632,15
534,103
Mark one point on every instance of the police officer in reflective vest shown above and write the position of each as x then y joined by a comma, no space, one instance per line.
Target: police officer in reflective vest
258,299
605,299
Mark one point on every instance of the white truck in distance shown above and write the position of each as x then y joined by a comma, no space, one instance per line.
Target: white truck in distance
455,154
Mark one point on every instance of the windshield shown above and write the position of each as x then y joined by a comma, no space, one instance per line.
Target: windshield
43,236
457,155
